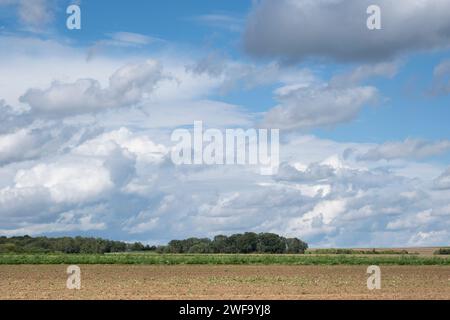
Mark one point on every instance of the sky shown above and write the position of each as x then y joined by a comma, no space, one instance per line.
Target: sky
86,118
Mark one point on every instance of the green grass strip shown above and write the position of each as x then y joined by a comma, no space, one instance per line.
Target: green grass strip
218,259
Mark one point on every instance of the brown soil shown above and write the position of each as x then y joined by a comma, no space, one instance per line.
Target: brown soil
223,282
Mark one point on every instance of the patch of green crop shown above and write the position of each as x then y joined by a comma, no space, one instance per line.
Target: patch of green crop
219,259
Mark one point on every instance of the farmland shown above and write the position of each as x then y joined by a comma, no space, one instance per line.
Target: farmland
406,274
223,282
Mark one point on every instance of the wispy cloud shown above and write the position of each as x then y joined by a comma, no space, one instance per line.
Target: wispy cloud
121,39
221,21
407,149
35,15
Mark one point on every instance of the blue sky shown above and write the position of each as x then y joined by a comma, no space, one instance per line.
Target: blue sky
180,24
87,116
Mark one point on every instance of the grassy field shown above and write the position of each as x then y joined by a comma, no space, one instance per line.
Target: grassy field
221,259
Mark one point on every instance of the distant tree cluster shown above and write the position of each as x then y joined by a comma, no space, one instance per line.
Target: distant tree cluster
238,243
248,242
27,244
443,251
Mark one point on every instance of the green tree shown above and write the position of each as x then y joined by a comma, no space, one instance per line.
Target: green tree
295,245
271,243
200,247
219,244
247,242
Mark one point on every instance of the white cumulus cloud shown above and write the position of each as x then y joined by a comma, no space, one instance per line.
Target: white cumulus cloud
127,86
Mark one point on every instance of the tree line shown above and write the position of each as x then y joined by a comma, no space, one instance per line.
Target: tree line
248,242
27,244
